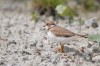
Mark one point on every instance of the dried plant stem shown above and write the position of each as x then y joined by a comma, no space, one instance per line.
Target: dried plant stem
80,21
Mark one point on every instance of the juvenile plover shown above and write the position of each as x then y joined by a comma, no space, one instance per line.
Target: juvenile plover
59,34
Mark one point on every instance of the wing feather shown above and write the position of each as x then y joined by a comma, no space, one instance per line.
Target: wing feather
61,32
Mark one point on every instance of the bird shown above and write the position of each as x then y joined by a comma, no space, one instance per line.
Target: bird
60,34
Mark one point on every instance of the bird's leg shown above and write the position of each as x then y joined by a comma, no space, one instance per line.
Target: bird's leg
62,48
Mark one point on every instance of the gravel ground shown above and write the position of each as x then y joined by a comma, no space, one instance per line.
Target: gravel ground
24,43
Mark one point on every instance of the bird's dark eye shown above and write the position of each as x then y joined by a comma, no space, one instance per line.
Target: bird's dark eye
47,24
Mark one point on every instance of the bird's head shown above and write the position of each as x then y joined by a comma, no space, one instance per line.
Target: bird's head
49,24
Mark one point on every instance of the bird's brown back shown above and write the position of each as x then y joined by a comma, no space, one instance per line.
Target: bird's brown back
61,32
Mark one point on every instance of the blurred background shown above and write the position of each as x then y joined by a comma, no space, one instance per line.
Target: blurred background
83,8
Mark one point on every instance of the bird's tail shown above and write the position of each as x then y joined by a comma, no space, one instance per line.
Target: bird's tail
85,36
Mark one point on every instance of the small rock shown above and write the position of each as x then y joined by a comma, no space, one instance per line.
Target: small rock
96,58
94,25
87,56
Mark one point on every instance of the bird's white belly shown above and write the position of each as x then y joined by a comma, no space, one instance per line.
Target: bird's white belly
57,39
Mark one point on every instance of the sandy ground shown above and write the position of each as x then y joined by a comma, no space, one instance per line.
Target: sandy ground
24,43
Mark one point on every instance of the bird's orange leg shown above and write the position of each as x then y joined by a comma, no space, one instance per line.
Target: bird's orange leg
62,48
